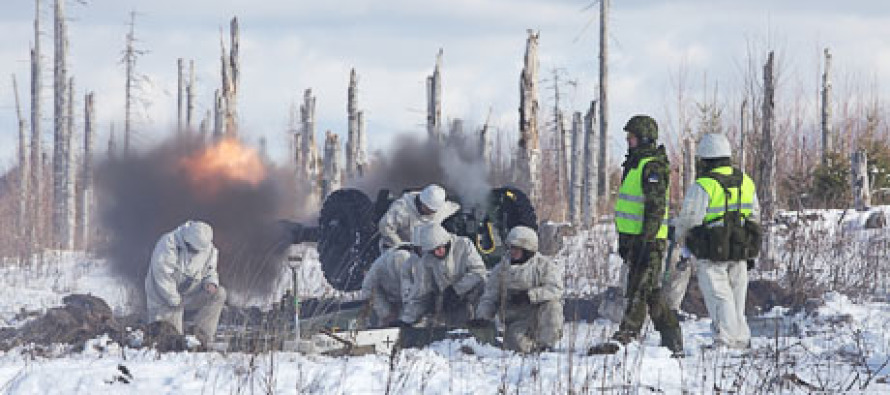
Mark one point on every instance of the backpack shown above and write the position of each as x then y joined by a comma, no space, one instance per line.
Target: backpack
732,237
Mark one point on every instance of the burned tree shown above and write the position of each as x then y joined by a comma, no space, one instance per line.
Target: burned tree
331,180
434,101
63,210
22,176
859,180
577,178
309,167
827,136
85,176
767,172
529,156
231,69
603,174
36,204
589,193
353,141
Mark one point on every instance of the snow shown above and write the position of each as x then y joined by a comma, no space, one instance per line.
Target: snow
843,346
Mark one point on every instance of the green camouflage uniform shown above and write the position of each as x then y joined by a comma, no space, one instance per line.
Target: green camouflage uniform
643,254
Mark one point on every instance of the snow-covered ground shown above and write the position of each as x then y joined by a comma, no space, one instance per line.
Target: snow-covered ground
843,347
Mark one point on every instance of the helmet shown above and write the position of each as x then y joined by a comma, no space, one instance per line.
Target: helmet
642,126
433,196
713,145
197,234
431,236
523,237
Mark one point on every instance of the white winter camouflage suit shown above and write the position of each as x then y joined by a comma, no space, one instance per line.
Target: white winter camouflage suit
397,225
386,280
528,327
724,285
176,279
430,276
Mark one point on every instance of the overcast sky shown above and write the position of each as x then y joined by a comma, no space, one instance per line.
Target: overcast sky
290,45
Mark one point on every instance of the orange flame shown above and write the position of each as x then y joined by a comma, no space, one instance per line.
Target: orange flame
226,162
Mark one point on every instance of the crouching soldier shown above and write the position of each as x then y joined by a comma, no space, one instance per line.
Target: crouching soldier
182,277
446,281
526,288
385,282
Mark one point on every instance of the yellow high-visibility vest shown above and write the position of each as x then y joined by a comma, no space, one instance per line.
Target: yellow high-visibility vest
742,201
630,206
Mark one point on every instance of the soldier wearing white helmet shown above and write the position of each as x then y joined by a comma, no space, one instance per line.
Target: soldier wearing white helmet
386,281
182,277
717,223
447,280
526,290
412,209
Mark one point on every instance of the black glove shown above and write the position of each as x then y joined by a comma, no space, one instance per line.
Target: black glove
478,323
519,298
450,297
401,324
751,263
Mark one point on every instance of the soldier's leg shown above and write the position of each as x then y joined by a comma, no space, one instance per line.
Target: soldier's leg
675,289
665,323
738,281
713,279
549,322
635,314
209,307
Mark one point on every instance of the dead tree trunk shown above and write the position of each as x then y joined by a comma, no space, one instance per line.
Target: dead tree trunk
603,175
61,234
529,155
85,184
190,99
36,227
859,180
352,118
70,173
485,143
361,159
112,145
130,61
743,131
590,192
180,94
688,165
231,69
332,170
434,102
827,137
577,179
310,150
767,184
23,174
204,128
218,115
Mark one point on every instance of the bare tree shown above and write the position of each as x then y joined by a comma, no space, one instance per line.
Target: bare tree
603,175
23,174
180,94
85,184
577,179
434,101
590,192
218,115
36,213
190,98
61,133
352,142
743,130
310,170
827,136
231,69
332,179
131,53
766,181
859,180
529,156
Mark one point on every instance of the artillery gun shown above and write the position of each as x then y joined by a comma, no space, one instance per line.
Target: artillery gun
348,241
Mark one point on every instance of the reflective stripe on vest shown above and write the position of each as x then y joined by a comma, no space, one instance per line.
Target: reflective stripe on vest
718,204
630,206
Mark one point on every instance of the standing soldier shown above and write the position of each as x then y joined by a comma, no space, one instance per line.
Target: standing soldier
526,288
718,225
641,213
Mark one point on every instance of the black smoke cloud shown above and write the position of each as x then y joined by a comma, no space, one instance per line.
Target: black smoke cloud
413,161
148,194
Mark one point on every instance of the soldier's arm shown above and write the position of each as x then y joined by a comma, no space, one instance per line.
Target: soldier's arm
656,178
475,272
163,266
551,287
211,275
692,213
489,302
390,222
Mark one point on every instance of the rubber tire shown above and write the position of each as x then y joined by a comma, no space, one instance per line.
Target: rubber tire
347,239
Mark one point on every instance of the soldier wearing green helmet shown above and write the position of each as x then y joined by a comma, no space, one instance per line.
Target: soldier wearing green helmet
641,213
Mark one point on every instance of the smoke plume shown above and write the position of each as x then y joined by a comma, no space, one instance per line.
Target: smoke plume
144,195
